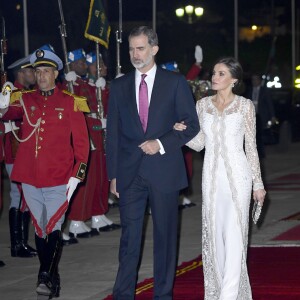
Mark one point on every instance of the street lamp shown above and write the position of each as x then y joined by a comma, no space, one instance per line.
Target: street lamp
190,11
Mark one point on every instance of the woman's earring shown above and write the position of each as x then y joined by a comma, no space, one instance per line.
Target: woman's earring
232,85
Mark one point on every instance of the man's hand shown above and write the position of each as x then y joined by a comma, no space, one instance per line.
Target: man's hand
71,187
150,147
113,187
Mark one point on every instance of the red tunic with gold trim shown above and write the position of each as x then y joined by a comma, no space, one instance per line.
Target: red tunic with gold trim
10,143
11,146
91,198
48,157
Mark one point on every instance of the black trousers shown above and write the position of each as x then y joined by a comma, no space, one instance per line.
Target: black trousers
164,211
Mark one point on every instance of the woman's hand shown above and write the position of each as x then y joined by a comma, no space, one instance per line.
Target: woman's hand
259,196
180,126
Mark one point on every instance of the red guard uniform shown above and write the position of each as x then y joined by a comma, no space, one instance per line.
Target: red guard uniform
10,150
47,158
91,198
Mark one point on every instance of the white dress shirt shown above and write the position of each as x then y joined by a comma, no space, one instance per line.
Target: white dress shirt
150,82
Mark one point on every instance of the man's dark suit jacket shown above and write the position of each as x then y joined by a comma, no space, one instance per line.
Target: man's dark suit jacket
265,108
171,102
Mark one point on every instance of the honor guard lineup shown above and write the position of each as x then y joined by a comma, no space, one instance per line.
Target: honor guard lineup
35,104
50,162
91,199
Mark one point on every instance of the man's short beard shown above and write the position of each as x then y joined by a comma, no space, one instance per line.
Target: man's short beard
143,64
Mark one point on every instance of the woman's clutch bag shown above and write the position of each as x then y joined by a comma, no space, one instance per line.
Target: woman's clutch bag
256,211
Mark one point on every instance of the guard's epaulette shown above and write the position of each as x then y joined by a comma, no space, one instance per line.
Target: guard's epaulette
80,103
16,94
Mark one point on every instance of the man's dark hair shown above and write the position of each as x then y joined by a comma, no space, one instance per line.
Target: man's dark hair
235,69
147,31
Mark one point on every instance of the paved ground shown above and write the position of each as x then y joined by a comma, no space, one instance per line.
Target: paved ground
88,269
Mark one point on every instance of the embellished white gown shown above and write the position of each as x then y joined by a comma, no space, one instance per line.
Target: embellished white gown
229,174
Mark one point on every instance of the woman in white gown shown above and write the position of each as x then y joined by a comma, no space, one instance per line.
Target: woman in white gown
227,123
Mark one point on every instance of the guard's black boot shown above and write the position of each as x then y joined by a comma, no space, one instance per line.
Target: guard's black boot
25,220
49,280
44,284
55,240
18,249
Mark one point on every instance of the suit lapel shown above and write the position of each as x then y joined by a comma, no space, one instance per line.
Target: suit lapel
155,99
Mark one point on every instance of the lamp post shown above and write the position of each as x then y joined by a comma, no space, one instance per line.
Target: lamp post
190,11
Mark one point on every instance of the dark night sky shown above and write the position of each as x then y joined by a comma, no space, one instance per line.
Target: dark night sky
43,22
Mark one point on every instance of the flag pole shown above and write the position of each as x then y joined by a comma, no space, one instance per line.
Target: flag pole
119,38
98,90
25,25
63,34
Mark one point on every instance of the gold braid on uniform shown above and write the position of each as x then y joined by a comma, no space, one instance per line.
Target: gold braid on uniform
17,94
80,103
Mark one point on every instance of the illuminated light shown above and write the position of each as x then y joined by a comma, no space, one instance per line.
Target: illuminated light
297,80
189,9
297,86
298,68
179,12
254,27
190,13
199,11
18,6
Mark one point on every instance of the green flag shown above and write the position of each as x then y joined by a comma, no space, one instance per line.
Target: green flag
97,28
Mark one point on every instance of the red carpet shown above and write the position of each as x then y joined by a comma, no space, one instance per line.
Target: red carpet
295,216
291,235
274,274
289,182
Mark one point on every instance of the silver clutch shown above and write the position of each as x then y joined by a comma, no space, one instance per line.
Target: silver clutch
256,211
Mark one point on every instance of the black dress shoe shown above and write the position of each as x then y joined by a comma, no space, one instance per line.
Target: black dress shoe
113,205
95,232
32,250
70,241
86,234
44,284
2,264
183,206
20,250
111,227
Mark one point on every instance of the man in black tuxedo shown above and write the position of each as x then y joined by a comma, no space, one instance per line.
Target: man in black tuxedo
264,108
145,161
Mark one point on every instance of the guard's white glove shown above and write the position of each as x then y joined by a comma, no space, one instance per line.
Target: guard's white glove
71,187
71,76
198,54
100,83
91,82
7,89
103,122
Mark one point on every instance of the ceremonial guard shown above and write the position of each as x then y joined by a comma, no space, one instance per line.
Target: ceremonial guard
51,159
91,199
2,131
19,216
